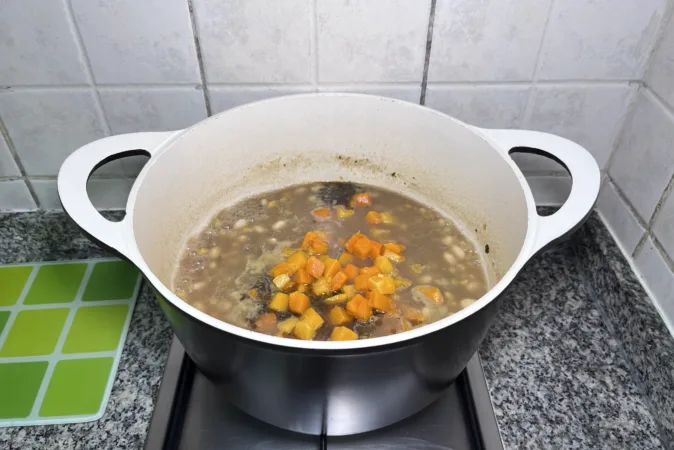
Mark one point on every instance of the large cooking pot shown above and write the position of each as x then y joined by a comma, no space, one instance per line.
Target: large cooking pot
333,387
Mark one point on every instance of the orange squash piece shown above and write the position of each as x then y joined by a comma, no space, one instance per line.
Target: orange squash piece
395,248
309,237
372,270
315,267
297,261
282,268
375,249
359,308
349,246
362,199
351,271
343,334
360,282
339,316
279,302
332,266
266,323
304,330
338,280
383,284
373,217
298,302
380,301
345,258
432,293
318,247
302,277
321,213
362,247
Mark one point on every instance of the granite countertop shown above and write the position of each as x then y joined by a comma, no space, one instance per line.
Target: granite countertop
561,372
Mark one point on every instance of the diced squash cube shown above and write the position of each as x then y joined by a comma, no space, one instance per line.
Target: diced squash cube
373,217
372,270
314,243
315,267
359,308
351,271
287,326
297,261
343,334
321,286
336,299
298,302
332,266
313,318
321,213
375,249
266,323
362,199
349,291
432,293
303,330
383,284
412,314
281,269
302,277
339,316
384,265
343,213
395,248
360,282
393,256
362,247
352,241
338,281
309,237
345,258
281,281
279,302
323,258
304,288
380,301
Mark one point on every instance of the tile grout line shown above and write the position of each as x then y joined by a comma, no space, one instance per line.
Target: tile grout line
659,101
14,309
200,61
313,41
531,98
88,72
427,54
54,356
15,155
629,114
651,222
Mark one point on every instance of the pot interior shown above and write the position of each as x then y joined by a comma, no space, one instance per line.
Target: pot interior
328,137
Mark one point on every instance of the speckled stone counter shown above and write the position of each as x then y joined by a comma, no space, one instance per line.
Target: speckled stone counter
562,371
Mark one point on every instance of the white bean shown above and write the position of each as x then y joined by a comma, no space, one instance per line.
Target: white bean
259,229
242,238
212,265
449,258
240,224
215,252
447,240
264,202
279,225
466,302
425,279
458,251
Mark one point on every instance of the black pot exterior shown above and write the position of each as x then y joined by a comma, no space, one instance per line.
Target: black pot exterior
332,392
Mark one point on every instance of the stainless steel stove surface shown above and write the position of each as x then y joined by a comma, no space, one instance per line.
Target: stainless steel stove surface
190,414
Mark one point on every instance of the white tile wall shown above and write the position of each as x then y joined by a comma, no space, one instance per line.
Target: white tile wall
47,125
643,162
8,167
14,196
375,41
658,277
131,41
131,110
589,115
494,106
37,45
488,40
599,39
617,214
255,41
661,67
109,193
549,190
664,224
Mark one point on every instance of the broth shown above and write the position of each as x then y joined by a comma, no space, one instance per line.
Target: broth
330,261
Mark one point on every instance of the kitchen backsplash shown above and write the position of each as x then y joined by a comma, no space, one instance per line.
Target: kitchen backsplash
72,71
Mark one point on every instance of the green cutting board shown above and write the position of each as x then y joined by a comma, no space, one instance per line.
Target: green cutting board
62,331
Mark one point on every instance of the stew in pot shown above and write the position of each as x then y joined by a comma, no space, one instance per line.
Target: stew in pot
330,261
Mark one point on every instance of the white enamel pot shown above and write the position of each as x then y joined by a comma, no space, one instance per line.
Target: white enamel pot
334,387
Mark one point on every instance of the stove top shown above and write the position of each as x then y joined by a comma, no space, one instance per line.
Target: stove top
190,414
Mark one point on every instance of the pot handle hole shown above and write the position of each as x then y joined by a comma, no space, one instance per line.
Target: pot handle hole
581,165
76,170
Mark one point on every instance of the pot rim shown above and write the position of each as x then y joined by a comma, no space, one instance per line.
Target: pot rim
523,256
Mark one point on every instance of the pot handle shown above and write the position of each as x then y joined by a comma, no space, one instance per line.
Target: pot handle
76,169
581,165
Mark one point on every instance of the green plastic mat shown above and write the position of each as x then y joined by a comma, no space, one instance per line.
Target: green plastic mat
62,330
